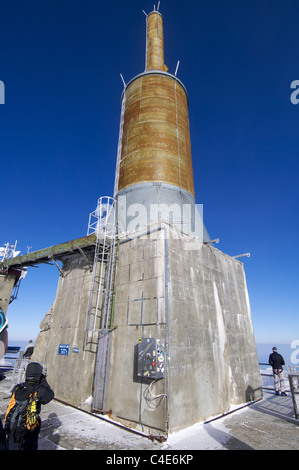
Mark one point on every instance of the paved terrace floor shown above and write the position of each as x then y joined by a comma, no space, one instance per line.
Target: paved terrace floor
266,425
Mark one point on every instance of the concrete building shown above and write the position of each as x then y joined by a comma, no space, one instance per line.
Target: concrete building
151,323
9,284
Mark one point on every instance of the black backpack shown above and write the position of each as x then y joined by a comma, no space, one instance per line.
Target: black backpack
21,416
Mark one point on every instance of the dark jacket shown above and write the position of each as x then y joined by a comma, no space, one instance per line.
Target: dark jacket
276,360
44,392
28,351
35,380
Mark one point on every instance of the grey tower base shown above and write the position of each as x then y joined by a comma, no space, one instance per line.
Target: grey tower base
188,294
141,205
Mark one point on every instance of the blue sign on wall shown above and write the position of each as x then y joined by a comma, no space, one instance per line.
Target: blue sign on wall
63,349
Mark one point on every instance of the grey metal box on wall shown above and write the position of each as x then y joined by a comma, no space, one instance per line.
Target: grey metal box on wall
150,360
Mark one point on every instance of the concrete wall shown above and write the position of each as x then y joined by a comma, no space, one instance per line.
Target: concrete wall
189,294
212,346
206,320
7,282
71,376
139,312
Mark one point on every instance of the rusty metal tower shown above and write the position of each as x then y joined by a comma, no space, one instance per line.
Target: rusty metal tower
154,163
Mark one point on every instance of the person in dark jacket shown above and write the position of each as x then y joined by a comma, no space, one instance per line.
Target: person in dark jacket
28,350
276,361
35,380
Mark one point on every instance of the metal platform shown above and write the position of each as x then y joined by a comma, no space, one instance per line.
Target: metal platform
50,254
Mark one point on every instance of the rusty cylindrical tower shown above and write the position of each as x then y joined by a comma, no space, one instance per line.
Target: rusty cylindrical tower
154,174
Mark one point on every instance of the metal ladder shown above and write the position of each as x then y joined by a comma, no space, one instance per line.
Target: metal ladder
101,221
101,367
99,322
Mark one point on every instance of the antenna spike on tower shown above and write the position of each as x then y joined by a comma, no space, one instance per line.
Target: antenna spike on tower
123,80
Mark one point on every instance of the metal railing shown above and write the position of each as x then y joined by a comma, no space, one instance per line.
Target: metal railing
268,382
291,380
18,375
294,386
268,378
103,222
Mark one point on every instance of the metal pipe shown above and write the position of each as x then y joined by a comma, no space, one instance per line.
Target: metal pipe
240,256
154,42
166,327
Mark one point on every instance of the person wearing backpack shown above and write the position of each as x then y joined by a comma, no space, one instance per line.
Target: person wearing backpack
22,422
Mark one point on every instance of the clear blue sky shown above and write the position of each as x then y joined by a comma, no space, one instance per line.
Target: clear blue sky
61,60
